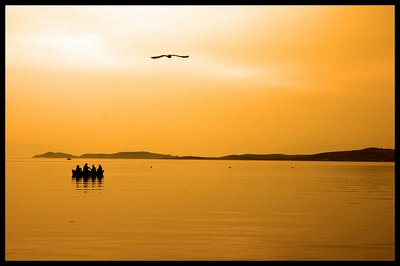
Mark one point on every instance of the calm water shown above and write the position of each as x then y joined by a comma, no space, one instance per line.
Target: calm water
200,210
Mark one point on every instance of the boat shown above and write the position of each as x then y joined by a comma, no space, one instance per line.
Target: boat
89,174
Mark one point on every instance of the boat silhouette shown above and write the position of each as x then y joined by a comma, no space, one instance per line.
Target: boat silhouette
88,174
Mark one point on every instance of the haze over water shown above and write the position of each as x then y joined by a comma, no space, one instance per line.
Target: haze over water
200,210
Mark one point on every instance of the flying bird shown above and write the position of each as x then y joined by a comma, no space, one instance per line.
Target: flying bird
169,56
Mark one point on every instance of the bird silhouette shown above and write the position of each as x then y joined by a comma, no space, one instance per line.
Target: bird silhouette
169,56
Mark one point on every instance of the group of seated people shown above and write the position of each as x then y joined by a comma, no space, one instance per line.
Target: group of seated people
86,170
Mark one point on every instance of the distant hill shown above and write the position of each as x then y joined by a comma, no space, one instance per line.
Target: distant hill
367,155
118,155
54,155
129,155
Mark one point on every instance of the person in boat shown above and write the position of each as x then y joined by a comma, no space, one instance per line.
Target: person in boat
86,169
93,170
100,170
78,169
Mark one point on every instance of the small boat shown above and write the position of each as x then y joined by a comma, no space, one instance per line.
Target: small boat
89,174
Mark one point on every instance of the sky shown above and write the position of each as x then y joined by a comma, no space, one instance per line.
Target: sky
259,79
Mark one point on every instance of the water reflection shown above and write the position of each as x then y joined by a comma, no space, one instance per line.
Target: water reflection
86,184
198,210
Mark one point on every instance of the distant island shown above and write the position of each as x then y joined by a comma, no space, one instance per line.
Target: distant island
364,155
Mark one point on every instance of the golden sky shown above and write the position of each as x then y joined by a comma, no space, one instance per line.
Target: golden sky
259,79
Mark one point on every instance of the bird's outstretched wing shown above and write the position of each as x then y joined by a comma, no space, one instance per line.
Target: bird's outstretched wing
183,56
155,57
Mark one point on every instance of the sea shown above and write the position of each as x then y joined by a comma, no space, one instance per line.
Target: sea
156,210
